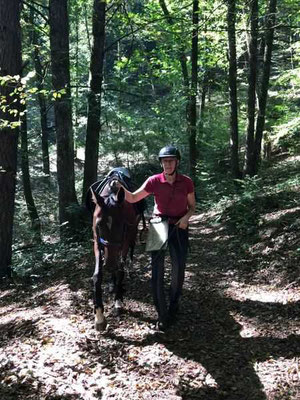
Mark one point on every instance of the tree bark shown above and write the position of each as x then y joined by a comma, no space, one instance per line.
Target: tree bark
192,123
232,82
202,107
94,97
59,42
41,97
32,211
263,92
250,168
10,64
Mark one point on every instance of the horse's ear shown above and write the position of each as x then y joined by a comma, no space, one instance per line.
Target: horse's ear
121,195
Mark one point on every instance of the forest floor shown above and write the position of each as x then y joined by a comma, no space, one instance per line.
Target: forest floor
237,336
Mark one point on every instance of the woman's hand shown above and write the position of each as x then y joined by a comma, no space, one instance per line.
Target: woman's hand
183,222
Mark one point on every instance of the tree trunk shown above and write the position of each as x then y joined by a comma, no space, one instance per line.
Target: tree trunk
32,211
191,92
94,97
182,58
41,97
202,106
10,64
192,123
77,77
59,42
263,92
232,81
250,167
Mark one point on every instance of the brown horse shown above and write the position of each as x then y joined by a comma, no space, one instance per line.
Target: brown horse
115,226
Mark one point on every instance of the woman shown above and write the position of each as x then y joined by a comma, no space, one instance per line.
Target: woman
174,200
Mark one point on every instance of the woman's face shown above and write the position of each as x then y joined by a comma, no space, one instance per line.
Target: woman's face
169,164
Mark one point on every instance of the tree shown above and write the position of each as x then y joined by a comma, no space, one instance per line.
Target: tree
249,167
257,89
32,210
59,43
192,115
94,96
264,84
40,77
10,71
232,81
190,88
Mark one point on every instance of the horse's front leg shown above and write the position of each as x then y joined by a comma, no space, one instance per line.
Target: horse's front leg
119,290
100,321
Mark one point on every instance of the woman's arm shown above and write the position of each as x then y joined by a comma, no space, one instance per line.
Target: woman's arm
136,196
184,221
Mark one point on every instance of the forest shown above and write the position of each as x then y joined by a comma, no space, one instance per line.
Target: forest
90,85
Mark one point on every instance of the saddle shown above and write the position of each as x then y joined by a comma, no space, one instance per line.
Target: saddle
123,176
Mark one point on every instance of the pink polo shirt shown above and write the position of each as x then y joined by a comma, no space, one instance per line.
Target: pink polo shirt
170,200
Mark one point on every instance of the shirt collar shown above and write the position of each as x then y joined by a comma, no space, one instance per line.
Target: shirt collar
162,178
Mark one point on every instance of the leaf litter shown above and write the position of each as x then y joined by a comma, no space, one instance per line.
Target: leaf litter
236,338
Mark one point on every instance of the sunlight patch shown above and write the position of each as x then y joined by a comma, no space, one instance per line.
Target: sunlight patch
249,331
153,355
262,294
280,376
279,214
223,238
17,315
62,325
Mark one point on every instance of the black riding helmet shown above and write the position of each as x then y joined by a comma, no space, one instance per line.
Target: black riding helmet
169,151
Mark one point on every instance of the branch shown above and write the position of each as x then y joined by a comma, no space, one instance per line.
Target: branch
113,14
111,89
40,5
167,17
36,10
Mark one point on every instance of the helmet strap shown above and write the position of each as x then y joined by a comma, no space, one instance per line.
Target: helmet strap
175,169
172,173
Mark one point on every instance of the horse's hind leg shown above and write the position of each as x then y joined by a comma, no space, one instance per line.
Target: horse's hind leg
131,253
100,321
112,284
119,291
128,247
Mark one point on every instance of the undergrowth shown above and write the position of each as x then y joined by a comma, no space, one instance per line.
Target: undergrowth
241,205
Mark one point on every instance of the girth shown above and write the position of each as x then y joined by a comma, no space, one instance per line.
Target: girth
106,243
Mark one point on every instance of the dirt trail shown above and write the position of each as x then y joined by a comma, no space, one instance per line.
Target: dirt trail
237,336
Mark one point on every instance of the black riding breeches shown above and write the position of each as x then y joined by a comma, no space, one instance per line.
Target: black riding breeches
178,248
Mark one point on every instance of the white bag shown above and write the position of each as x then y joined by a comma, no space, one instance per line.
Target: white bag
157,238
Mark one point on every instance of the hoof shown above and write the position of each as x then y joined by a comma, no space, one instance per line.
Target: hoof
111,288
118,308
117,311
100,326
161,326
